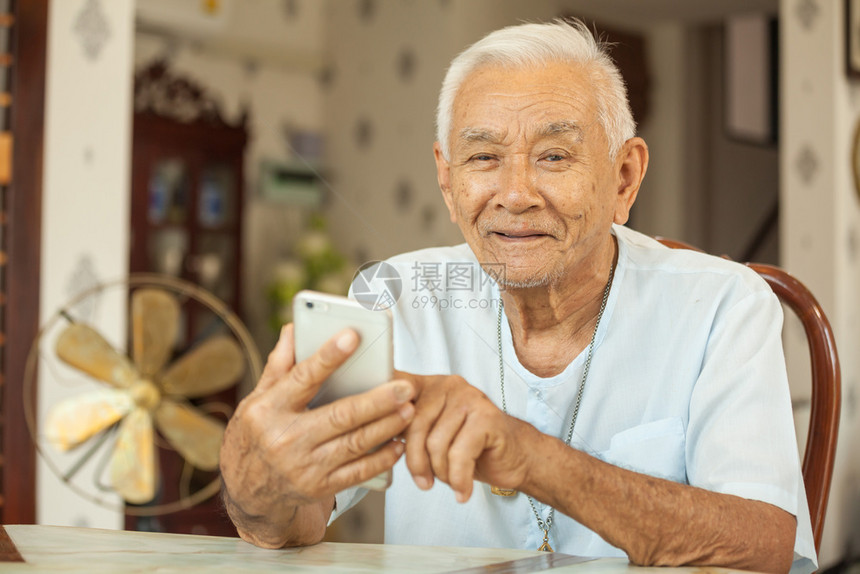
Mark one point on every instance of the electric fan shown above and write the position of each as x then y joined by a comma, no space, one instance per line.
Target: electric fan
115,411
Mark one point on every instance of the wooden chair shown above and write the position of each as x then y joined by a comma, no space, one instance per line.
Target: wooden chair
820,451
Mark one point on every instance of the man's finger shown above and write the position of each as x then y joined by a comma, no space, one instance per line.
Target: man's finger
280,360
440,439
306,377
418,381
464,451
417,457
367,467
350,413
357,443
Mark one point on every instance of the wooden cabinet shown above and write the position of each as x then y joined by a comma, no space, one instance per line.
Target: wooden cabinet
186,221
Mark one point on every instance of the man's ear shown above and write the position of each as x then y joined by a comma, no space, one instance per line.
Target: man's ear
631,165
443,176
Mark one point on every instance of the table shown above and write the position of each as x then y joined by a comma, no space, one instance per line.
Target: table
70,549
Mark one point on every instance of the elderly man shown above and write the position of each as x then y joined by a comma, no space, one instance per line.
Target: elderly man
593,393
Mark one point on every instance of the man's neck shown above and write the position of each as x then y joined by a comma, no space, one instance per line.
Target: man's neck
551,325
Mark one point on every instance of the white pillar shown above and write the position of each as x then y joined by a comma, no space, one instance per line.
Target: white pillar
85,211
820,218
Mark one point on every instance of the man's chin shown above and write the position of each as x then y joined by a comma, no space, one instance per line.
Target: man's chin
519,272
528,280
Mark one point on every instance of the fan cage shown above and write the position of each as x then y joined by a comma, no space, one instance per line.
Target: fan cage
178,287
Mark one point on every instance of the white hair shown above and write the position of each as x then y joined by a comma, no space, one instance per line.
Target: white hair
527,45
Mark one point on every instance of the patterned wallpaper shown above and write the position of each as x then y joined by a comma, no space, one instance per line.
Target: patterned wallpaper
380,106
821,216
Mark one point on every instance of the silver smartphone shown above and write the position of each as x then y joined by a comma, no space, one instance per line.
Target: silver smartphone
317,317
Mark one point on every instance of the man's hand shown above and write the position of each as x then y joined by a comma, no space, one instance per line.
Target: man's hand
282,463
458,435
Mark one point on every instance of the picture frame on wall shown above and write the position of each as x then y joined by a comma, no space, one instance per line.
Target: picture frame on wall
852,38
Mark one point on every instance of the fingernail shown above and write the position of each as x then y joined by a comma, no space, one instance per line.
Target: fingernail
347,341
399,447
461,497
406,411
403,391
283,334
422,482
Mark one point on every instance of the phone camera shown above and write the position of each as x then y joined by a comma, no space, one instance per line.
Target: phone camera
309,304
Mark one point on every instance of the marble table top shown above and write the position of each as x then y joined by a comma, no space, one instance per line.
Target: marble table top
68,549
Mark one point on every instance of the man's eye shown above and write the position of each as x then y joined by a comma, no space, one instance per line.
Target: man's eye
482,157
554,157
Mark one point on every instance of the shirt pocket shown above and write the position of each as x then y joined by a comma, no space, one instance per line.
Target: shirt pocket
657,448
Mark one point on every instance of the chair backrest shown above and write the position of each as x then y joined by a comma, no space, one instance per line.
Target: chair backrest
820,452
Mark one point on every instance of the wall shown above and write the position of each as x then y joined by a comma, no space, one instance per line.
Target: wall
740,179
703,185
659,208
85,204
821,221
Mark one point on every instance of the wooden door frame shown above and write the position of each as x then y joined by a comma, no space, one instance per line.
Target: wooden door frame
23,239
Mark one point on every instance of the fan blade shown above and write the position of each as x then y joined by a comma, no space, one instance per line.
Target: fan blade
212,366
84,348
154,320
74,420
132,464
194,435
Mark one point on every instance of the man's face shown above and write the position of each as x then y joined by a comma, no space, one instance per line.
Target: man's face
529,180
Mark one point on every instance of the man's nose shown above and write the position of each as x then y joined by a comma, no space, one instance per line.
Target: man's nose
518,190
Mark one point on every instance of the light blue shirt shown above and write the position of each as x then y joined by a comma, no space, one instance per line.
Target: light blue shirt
687,383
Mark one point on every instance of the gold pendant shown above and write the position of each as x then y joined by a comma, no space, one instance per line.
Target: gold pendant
545,547
502,491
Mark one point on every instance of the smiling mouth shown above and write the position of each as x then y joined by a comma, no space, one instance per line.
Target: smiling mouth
519,234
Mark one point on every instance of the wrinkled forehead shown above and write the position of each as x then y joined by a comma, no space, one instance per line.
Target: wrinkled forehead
554,98
475,134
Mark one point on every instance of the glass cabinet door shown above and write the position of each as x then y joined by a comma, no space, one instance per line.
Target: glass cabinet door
167,250
216,205
169,192
215,264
